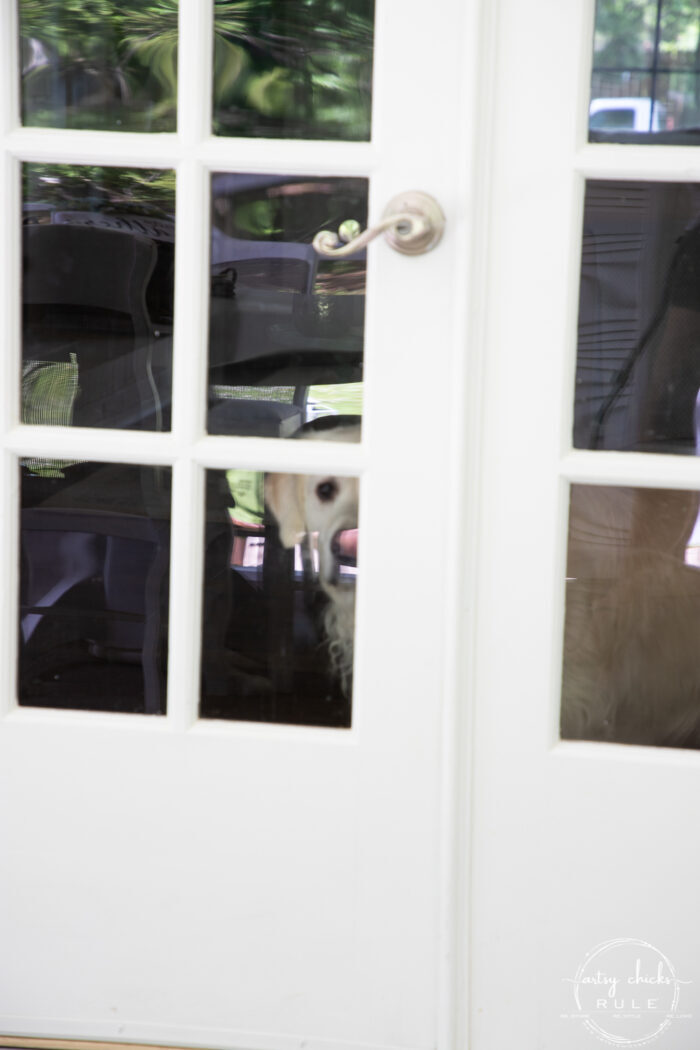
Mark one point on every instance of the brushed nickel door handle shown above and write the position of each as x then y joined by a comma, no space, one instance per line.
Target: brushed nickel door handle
412,223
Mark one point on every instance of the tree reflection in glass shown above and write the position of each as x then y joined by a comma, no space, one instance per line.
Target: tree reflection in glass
293,70
645,82
99,65
281,69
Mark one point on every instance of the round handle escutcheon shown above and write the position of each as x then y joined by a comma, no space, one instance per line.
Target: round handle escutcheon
413,223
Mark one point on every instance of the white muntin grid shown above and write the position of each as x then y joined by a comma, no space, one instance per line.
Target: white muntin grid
195,154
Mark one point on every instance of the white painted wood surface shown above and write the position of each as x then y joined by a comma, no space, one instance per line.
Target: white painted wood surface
265,887
258,886
574,843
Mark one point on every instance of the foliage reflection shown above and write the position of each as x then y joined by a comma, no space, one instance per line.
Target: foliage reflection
95,64
645,84
293,70
281,69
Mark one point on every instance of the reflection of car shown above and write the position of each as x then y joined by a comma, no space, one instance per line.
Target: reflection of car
97,317
626,114
282,321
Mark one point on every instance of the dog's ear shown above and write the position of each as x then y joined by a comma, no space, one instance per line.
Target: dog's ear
283,496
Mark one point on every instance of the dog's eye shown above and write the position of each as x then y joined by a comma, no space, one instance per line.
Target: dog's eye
326,490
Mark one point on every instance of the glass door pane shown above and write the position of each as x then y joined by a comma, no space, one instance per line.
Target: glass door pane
286,327
99,65
645,82
97,290
293,70
638,365
95,565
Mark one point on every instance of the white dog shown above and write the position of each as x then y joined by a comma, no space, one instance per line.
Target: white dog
326,506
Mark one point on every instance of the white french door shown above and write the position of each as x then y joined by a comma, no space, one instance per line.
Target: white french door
224,873
585,854
223,881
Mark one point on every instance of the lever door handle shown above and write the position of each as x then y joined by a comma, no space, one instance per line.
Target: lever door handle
412,223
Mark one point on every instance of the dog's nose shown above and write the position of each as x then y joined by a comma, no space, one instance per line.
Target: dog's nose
344,543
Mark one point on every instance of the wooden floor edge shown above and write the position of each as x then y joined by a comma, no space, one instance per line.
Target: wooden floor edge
14,1042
